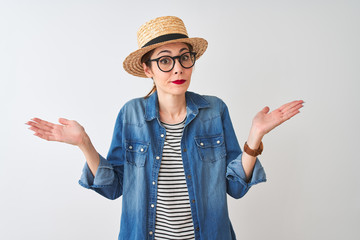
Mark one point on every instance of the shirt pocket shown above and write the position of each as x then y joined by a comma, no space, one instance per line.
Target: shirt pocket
211,148
136,153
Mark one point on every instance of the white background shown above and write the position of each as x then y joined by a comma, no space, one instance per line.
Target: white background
64,59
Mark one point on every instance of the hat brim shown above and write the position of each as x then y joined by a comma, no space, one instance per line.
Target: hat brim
132,63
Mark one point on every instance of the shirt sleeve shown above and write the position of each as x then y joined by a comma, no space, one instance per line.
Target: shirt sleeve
237,186
108,180
104,175
235,172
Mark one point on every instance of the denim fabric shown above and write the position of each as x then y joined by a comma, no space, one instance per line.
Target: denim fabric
212,164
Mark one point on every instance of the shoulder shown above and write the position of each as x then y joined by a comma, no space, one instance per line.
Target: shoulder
133,111
208,101
134,103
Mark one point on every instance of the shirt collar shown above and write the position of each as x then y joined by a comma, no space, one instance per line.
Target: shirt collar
194,102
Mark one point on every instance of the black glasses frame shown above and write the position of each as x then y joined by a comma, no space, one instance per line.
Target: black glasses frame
173,58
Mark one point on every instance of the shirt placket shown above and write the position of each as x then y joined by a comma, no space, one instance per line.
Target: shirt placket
155,173
190,185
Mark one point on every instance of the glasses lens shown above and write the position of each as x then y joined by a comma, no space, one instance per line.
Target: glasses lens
165,63
187,60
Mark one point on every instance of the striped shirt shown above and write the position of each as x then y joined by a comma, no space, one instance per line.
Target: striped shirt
173,212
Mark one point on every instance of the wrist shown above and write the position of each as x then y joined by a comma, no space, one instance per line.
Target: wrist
254,139
85,142
253,152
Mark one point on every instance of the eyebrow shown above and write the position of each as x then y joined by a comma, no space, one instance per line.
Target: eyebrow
167,51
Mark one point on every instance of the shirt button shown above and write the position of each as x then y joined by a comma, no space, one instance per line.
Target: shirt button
157,157
153,182
189,176
185,150
130,147
197,229
150,232
202,144
152,205
193,201
218,141
162,135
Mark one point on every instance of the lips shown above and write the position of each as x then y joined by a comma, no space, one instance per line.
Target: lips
179,81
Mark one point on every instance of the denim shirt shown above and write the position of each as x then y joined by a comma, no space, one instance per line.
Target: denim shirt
211,158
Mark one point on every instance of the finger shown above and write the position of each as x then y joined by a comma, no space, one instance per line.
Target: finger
43,122
45,137
64,121
284,106
44,134
39,126
290,105
290,114
38,130
265,110
294,107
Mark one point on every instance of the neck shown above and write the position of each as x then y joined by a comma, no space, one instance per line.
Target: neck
172,108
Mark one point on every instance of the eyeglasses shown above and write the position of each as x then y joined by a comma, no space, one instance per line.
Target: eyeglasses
167,63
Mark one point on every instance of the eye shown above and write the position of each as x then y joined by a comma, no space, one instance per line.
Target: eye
185,57
165,60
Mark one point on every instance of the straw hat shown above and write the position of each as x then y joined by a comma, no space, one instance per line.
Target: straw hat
157,32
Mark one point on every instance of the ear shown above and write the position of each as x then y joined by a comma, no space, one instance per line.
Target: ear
147,71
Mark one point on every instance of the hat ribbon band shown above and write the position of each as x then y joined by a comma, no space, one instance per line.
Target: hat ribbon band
164,38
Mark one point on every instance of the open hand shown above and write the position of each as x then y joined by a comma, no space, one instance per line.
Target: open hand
70,131
264,121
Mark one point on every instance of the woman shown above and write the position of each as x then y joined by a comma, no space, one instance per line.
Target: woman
174,155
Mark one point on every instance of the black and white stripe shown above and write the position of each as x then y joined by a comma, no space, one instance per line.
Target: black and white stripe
173,213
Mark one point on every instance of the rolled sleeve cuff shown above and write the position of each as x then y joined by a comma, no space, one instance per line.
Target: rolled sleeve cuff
104,175
235,172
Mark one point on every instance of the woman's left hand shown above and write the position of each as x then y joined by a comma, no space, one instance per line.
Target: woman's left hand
264,121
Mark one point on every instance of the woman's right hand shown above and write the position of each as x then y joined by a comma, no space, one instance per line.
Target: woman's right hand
69,131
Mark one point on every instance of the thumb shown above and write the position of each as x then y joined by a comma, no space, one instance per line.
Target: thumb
265,109
64,121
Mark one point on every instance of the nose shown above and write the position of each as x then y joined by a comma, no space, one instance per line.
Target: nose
178,69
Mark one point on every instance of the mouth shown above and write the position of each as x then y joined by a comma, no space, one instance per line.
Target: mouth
181,81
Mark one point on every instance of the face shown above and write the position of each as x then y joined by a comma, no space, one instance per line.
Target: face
176,81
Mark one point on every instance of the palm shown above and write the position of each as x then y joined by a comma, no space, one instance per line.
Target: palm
69,132
265,121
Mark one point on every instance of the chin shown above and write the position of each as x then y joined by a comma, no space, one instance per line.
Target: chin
178,91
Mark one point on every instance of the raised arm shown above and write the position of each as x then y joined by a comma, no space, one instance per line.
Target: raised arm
68,131
262,124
